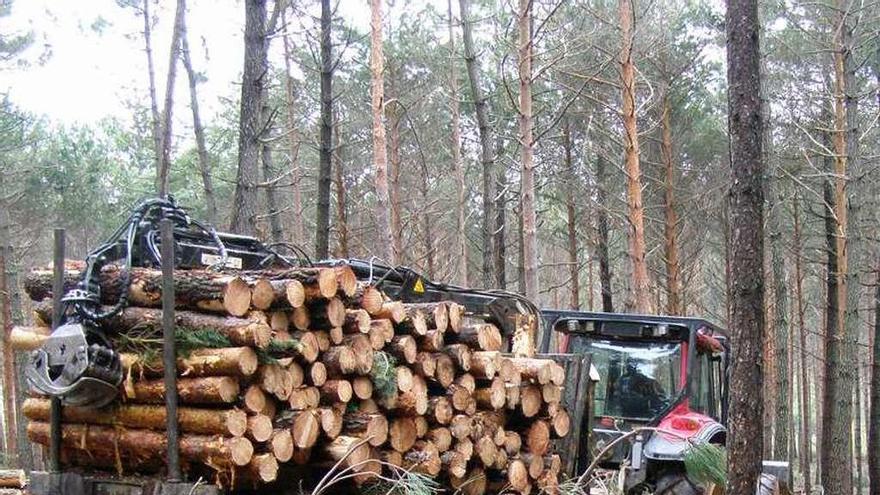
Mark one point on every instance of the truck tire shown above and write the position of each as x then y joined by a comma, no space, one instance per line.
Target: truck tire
676,484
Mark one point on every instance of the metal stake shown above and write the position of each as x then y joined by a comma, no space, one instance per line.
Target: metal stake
169,352
57,312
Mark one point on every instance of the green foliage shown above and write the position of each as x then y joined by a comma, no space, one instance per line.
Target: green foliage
276,348
383,374
410,483
707,462
146,341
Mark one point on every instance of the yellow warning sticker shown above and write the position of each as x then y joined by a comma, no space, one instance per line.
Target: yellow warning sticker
419,287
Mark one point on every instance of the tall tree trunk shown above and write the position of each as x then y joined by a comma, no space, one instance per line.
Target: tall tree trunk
804,392
245,201
342,250
151,73
8,385
602,234
269,173
322,221
836,437
425,219
526,139
641,296
380,160
670,223
198,128
486,157
781,418
165,141
461,272
746,220
293,141
392,113
499,252
571,214
874,414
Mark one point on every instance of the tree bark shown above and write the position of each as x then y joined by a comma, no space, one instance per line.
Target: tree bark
461,271
499,252
293,140
198,128
602,247
151,73
392,113
342,249
322,222
527,186
487,159
745,442
385,238
572,219
245,201
165,141
10,419
670,217
804,392
640,285
874,414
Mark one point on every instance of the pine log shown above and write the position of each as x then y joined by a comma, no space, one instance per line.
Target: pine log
441,437
332,420
353,450
250,331
560,423
431,341
363,425
307,348
458,396
230,422
340,360
318,283
145,444
392,310
209,390
538,438
404,348
530,400
368,406
379,337
485,364
384,327
346,279
518,475
301,456
508,372
12,478
440,410
363,352
444,372
362,387
423,458
263,468
465,447
425,365
486,423
460,355
259,428
367,298
323,339
282,444
501,460
304,398
199,289
485,449
467,381
227,361
296,374
483,336
28,338
436,314
461,426
279,322
402,433
454,463
277,294
300,318
392,457
492,397
326,314
539,370
456,316
357,321
317,374
305,428
334,391
413,321
512,442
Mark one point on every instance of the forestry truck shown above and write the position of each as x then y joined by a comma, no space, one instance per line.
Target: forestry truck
641,390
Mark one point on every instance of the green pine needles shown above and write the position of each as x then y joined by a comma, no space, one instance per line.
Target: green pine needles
707,463
384,374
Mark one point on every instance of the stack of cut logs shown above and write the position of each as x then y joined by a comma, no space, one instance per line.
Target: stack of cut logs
317,368
12,481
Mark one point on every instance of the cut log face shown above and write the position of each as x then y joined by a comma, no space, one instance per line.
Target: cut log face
340,360
405,378
331,420
317,373
423,458
456,316
402,434
305,428
404,349
518,475
530,400
492,397
539,370
485,449
327,314
353,449
474,482
372,426
538,438
461,426
282,445
259,428
444,372
367,298
392,310
440,410
454,463
263,468
436,314
561,423
460,355
485,364
346,280
334,391
483,336
358,321
362,387
425,365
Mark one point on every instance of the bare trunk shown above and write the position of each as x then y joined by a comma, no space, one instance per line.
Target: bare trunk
380,161
165,141
499,252
198,129
874,414
670,224
393,115
341,195
641,297
836,437
745,442
486,156
9,385
461,272
151,73
527,186
293,144
244,206
602,233
322,222
571,214
806,440
268,168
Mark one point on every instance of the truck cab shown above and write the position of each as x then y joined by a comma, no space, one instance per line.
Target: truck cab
665,374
